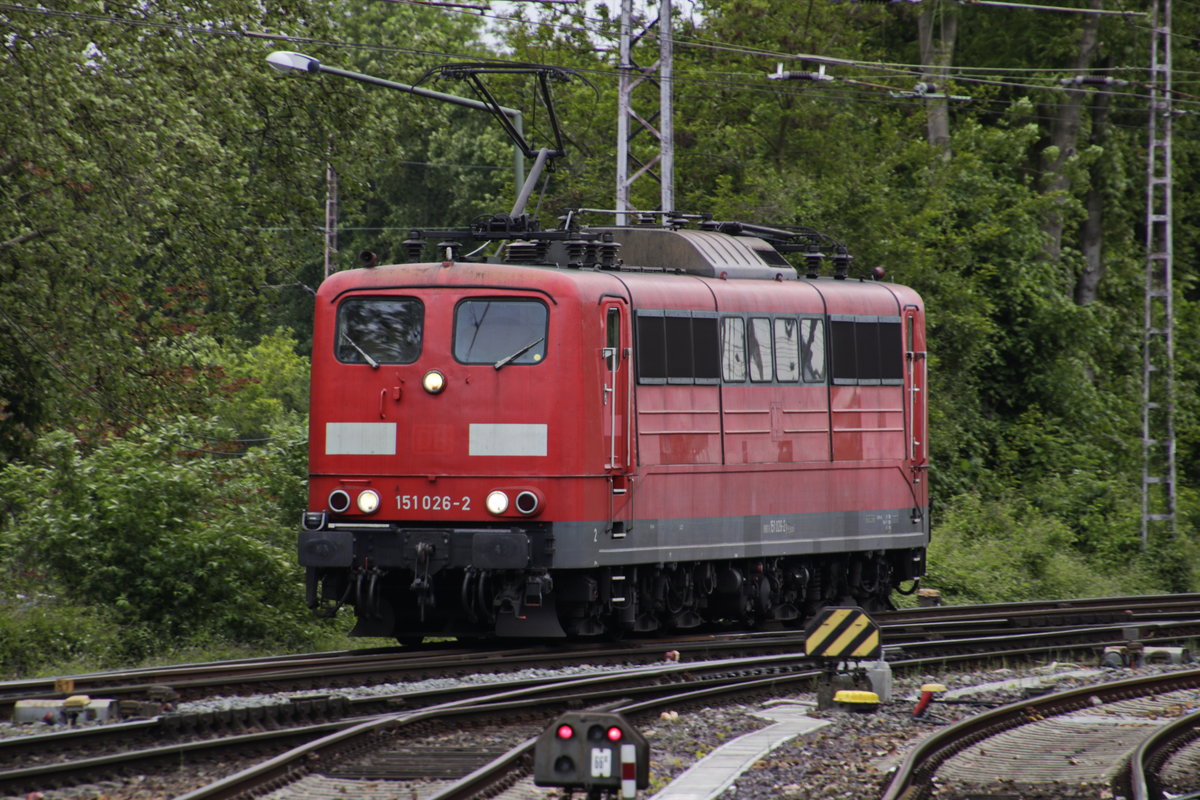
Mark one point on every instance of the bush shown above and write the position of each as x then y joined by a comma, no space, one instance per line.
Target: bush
178,534
40,635
172,544
268,383
991,551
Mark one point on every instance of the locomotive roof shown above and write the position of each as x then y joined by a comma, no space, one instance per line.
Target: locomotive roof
734,250
697,252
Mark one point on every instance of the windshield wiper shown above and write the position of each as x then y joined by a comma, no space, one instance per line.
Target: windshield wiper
374,364
519,353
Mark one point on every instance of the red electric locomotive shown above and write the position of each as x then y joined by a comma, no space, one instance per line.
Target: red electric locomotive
602,430
613,429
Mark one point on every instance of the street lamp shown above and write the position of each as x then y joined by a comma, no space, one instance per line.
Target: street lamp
288,61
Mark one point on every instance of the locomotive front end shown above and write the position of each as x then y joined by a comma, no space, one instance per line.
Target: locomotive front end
444,436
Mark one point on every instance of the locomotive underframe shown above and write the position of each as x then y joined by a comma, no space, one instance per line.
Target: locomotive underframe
415,582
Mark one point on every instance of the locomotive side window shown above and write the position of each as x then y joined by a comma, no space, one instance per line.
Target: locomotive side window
379,330
759,343
733,349
866,335
866,350
706,345
678,347
787,350
500,331
812,346
891,346
680,366
782,349
652,348
612,338
843,350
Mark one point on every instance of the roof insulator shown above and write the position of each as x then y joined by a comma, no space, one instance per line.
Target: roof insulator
841,264
413,246
812,260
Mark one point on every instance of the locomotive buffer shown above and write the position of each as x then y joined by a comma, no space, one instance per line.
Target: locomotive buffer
836,637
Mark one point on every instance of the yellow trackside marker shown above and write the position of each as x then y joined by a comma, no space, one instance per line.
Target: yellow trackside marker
842,633
868,647
823,627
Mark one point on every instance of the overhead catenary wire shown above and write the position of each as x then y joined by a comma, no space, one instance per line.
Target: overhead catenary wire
900,69
741,81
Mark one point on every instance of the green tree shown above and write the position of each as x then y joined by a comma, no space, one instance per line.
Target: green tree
164,538
1022,231
142,188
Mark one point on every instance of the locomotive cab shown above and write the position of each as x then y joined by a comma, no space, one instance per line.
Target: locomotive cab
458,409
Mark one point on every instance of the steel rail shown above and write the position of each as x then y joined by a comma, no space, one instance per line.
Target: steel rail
560,691
292,764
1147,760
512,765
992,646
441,659
269,774
307,711
912,778
341,666
1182,603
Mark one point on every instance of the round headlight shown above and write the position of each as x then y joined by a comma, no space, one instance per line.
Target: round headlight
339,500
368,501
497,502
433,381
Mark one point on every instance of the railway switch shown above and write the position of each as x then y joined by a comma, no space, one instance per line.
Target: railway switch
599,752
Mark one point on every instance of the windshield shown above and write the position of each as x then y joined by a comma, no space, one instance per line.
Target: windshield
379,330
491,331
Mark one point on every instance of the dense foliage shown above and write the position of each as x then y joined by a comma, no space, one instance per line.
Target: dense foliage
162,195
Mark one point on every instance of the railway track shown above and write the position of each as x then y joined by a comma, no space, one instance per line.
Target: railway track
1045,771
926,636
1078,743
679,682
1160,617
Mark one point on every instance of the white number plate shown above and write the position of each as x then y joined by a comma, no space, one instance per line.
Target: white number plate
602,762
432,502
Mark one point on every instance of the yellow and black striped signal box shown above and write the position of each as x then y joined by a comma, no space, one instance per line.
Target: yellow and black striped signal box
844,634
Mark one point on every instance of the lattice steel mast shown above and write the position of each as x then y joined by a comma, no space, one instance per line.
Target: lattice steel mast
658,125
1158,341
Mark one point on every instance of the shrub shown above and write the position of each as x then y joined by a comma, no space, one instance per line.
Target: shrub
41,634
171,543
990,551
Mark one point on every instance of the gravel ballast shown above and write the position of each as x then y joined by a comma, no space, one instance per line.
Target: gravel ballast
848,758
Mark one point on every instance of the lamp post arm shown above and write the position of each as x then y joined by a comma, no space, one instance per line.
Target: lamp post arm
285,61
511,113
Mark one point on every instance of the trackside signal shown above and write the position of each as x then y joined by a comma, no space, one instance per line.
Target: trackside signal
836,637
842,633
599,752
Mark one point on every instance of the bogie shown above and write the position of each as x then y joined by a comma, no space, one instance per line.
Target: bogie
647,599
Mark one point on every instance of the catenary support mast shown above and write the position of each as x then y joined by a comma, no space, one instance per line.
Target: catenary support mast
630,123
1158,340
